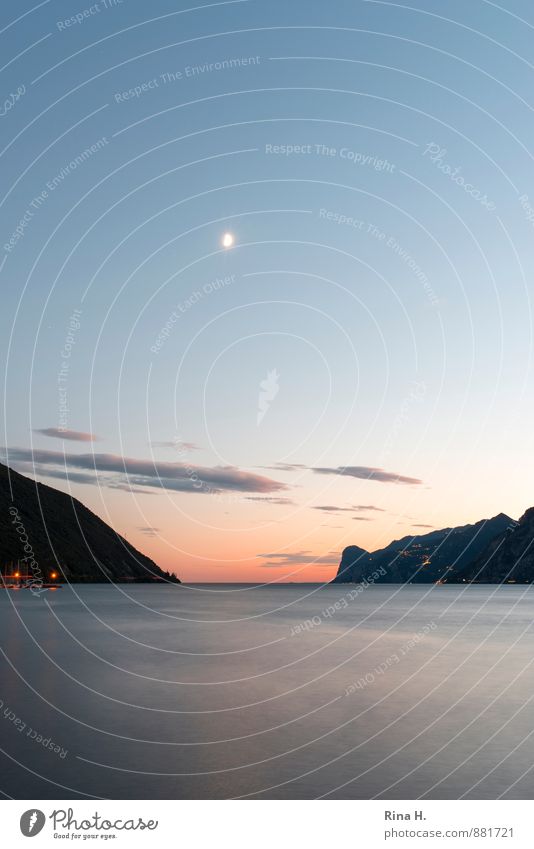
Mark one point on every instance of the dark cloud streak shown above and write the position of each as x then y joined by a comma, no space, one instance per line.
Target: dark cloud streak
72,435
179,477
367,473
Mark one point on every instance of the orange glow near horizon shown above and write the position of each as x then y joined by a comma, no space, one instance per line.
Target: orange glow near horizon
257,540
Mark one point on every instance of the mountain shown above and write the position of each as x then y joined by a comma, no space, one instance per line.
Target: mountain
424,559
509,557
43,530
351,566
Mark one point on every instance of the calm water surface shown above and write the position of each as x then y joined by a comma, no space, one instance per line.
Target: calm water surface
294,691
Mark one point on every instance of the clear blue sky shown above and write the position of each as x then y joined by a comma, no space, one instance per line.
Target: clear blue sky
373,162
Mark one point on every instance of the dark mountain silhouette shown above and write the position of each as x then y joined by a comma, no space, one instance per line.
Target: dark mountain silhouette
509,557
55,532
436,556
354,560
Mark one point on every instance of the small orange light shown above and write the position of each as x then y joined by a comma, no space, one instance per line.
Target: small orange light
17,574
53,575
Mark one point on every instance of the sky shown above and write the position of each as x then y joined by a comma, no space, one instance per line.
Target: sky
356,365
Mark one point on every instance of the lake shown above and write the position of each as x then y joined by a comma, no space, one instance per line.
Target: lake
293,691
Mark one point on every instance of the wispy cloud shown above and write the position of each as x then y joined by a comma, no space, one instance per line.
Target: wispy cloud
371,473
329,508
125,487
367,473
72,435
83,478
360,508
125,471
268,499
285,467
178,444
63,474
296,558
148,531
423,526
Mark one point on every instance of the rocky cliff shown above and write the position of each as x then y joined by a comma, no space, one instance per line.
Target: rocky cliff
352,566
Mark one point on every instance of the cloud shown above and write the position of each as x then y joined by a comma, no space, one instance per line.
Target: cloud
360,508
367,473
124,471
124,487
361,519
74,477
364,472
150,532
268,499
73,435
80,477
423,526
178,445
285,467
277,560
330,509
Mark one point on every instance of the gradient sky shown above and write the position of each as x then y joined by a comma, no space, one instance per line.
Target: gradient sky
373,162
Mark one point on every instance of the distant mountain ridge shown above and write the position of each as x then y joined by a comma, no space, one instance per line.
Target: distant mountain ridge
44,530
450,555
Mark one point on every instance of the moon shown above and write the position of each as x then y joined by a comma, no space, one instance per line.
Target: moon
228,240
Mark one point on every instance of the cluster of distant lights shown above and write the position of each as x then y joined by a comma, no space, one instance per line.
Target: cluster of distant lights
53,575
